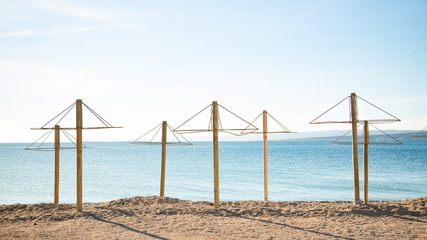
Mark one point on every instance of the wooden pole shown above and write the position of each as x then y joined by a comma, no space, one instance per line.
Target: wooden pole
264,132
215,153
79,126
162,175
365,160
355,148
57,145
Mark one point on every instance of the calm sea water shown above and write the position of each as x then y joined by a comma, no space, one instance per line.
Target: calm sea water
297,171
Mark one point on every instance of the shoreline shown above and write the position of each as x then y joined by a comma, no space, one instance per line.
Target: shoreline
171,218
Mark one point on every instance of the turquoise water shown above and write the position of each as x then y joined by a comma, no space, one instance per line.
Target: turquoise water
298,170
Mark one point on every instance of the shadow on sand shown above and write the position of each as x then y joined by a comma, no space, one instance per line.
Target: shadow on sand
124,226
390,211
289,226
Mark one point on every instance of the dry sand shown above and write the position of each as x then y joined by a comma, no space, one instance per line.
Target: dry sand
170,218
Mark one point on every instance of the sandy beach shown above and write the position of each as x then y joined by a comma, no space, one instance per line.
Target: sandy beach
170,218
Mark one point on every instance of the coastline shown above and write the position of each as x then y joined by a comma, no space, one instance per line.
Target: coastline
170,218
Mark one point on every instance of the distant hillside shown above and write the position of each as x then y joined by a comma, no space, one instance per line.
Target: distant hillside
374,137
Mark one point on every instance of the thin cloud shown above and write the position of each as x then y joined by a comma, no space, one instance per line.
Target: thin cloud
30,33
65,7
19,17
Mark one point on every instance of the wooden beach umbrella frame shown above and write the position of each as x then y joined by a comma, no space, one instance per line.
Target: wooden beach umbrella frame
354,120
420,133
164,126
56,148
215,126
79,139
265,132
366,142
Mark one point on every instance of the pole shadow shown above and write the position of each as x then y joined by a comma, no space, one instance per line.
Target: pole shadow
117,210
390,211
287,225
125,227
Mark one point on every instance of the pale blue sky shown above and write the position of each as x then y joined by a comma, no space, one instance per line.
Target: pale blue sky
138,63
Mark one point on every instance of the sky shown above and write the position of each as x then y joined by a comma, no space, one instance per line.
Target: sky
138,63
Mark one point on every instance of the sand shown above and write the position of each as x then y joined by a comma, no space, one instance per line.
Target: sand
171,218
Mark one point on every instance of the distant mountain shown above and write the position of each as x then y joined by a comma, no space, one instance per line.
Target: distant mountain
375,136
330,135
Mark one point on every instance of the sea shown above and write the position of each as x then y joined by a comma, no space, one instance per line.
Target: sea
297,171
